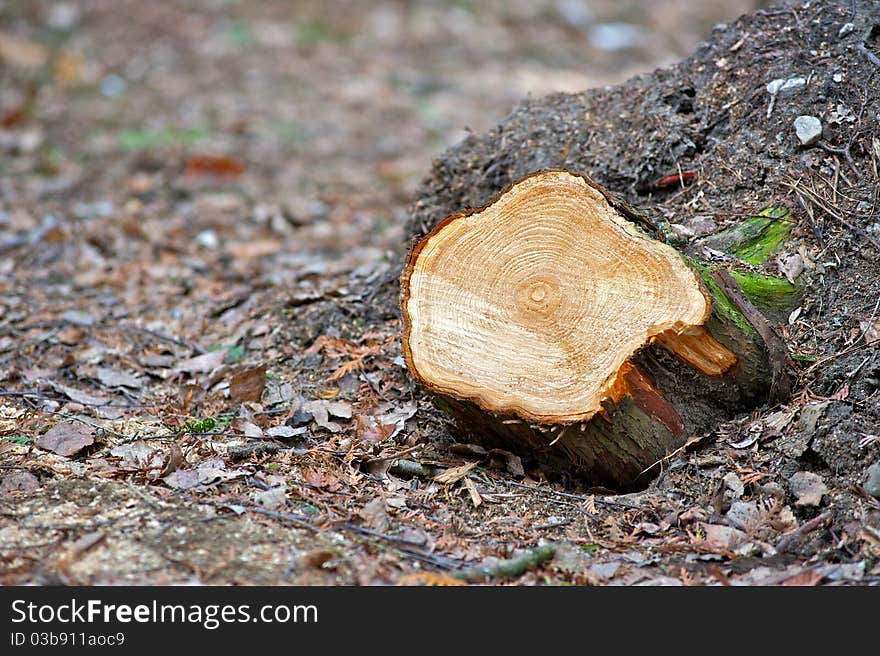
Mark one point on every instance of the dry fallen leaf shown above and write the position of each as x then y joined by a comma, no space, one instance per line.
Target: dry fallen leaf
428,579
808,577
173,462
871,331
248,385
204,363
511,462
66,438
375,516
137,455
19,481
208,474
112,378
85,398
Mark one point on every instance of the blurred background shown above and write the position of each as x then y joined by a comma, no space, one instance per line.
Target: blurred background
258,128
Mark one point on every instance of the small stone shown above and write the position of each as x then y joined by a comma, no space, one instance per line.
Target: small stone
846,29
808,129
611,37
808,488
792,86
837,77
681,231
773,86
872,483
208,239
733,485
113,85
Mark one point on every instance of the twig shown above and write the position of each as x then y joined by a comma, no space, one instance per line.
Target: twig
166,338
508,568
378,534
155,504
814,197
870,55
395,456
824,145
780,386
579,497
287,517
803,529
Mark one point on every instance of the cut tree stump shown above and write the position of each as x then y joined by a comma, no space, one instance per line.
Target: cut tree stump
550,323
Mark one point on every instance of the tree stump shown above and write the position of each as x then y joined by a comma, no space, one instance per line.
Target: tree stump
551,323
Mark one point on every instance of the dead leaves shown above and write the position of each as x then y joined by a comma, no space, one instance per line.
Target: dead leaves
336,348
248,385
19,481
320,411
66,438
204,363
871,331
207,474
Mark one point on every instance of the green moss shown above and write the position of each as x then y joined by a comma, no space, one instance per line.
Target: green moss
442,404
768,293
140,139
723,310
758,237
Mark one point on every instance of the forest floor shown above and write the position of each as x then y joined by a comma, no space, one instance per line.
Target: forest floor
203,213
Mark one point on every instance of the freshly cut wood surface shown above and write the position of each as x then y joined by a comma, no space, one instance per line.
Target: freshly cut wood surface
533,304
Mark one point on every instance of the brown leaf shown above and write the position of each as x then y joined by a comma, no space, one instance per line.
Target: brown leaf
808,577
204,363
871,331
20,481
212,167
428,579
316,558
248,385
375,516
112,378
511,462
320,478
175,459
66,438
85,398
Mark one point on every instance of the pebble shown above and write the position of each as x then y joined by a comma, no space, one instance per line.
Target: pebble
208,239
872,483
808,129
784,88
846,29
611,37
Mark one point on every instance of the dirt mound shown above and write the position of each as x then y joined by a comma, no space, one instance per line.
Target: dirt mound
703,145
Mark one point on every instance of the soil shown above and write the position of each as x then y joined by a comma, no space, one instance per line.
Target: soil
200,238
